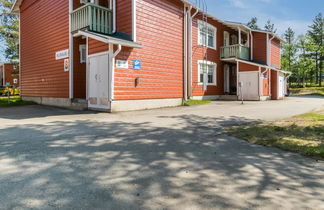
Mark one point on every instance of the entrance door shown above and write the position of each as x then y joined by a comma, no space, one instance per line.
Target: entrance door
281,84
249,85
226,79
98,88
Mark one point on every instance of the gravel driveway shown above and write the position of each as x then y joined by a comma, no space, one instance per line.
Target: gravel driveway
174,158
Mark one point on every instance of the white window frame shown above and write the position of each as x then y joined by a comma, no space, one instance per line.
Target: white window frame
209,26
215,72
83,48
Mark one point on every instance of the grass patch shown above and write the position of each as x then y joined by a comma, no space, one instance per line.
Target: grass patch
196,102
303,134
14,101
308,91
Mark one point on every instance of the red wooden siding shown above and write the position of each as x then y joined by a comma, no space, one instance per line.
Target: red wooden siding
96,46
79,70
260,47
10,73
248,67
124,16
274,85
275,53
160,30
41,74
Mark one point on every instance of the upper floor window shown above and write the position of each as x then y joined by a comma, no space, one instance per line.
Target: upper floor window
209,69
207,35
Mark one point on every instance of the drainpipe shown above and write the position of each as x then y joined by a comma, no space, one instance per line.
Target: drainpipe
251,46
111,69
71,53
114,16
269,49
185,54
190,17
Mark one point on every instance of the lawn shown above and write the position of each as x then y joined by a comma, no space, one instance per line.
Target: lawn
308,91
196,102
14,101
303,134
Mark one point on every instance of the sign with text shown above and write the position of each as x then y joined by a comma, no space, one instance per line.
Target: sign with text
137,64
66,64
62,54
121,64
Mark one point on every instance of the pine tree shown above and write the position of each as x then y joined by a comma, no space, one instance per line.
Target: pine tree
289,51
270,27
316,33
9,31
253,23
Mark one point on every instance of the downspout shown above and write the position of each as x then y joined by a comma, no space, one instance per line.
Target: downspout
269,49
134,20
111,72
190,49
114,16
70,52
251,46
185,55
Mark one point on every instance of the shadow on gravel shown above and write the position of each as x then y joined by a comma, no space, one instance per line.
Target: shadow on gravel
118,165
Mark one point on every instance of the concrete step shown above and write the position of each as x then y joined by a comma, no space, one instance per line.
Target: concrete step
79,104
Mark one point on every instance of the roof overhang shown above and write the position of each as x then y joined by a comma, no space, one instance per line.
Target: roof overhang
108,39
262,66
15,6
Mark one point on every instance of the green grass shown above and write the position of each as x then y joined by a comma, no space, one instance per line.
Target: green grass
308,91
196,102
14,101
302,134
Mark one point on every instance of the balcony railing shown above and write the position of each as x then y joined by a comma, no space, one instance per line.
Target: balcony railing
235,51
93,18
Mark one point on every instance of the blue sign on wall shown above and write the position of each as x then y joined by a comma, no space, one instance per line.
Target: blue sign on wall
137,64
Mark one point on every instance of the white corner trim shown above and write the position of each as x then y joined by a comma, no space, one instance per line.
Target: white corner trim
134,21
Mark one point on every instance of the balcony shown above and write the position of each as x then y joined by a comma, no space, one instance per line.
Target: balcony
235,51
93,18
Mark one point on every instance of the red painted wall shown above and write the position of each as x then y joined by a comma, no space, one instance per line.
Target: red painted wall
274,85
41,74
275,53
248,67
260,47
10,73
160,30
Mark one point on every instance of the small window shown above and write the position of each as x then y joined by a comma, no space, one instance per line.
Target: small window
83,53
15,81
207,35
210,69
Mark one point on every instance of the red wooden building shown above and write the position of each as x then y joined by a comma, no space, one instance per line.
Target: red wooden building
9,74
119,55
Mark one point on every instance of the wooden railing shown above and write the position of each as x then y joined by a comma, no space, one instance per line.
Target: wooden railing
235,51
92,17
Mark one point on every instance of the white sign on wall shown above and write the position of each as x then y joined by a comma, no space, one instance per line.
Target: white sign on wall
121,64
62,54
66,64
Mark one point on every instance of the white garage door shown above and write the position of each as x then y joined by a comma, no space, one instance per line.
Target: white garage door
98,89
250,85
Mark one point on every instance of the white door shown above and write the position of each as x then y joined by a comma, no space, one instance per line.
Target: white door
282,85
249,87
226,79
98,88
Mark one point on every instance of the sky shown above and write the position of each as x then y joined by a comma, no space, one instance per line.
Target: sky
297,14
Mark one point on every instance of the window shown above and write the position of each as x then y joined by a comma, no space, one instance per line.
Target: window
207,35
15,81
83,53
209,69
